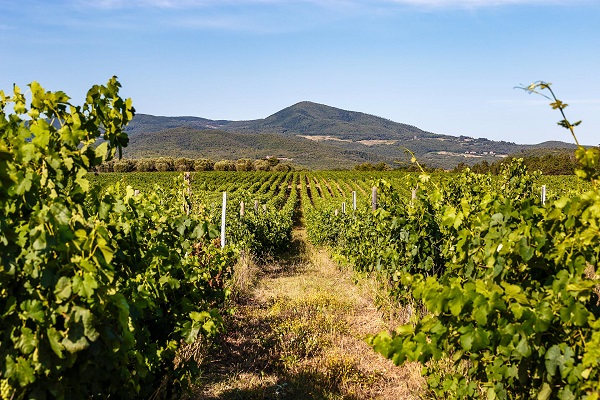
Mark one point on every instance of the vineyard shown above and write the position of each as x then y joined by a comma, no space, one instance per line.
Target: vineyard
107,278
503,285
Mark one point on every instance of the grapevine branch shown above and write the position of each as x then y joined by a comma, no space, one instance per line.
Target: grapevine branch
536,88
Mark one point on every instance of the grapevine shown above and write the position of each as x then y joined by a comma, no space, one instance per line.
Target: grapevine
100,287
504,279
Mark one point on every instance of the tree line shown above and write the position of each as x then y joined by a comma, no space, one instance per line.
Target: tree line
557,163
165,164
548,164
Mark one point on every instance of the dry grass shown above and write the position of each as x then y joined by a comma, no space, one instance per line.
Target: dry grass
300,334
245,275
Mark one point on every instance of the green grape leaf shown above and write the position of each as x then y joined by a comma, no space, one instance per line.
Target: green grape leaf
545,392
62,290
26,341
33,309
22,370
75,340
523,347
553,359
54,337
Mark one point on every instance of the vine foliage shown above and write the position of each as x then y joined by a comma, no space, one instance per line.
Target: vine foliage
98,288
507,283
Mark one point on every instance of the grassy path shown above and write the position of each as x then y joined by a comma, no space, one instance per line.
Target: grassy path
298,334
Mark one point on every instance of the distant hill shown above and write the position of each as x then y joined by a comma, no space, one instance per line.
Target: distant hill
304,118
314,136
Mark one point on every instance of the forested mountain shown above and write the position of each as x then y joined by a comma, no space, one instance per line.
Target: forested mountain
308,118
314,136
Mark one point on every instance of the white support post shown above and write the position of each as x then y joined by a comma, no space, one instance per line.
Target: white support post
413,196
344,208
187,194
374,198
188,180
543,195
353,200
223,213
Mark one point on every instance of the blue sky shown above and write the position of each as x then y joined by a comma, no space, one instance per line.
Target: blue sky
446,66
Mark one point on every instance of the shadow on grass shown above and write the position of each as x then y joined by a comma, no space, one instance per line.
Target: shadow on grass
290,262
293,387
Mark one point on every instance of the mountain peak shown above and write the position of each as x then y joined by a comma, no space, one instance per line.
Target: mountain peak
318,111
310,118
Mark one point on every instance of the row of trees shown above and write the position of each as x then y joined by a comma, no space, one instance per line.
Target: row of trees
164,164
549,164
381,166
554,162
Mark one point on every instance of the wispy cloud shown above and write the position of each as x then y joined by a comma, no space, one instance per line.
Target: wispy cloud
171,4
224,22
481,3
183,4
255,16
258,16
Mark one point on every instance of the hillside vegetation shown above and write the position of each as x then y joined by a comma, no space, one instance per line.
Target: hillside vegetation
217,144
314,136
